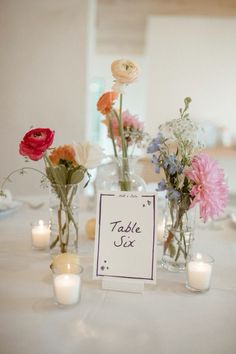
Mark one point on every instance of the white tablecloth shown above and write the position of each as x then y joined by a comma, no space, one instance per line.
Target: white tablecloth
166,319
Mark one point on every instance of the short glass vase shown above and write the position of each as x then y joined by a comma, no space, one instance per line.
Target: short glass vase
64,218
178,237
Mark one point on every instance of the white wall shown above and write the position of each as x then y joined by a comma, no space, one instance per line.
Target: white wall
47,59
191,56
43,70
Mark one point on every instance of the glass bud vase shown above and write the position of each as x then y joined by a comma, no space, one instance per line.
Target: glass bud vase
178,236
120,174
64,218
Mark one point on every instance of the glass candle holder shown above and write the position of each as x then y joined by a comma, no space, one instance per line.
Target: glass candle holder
67,283
40,235
199,271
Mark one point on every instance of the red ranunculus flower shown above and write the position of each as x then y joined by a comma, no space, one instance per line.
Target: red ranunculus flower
35,143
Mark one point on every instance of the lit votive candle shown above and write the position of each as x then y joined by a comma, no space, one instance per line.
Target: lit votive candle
199,271
40,235
67,285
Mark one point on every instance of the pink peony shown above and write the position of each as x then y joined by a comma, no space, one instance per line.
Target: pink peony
209,187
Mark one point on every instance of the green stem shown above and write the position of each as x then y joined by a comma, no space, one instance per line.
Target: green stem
60,226
185,248
112,135
124,180
53,244
7,179
67,223
179,247
120,122
65,227
177,226
68,219
63,197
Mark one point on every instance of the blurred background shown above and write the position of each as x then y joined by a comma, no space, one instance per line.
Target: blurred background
55,63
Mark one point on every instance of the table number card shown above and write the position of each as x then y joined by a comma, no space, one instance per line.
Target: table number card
125,246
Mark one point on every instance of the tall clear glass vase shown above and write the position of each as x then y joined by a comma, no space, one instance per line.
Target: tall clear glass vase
178,236
64,218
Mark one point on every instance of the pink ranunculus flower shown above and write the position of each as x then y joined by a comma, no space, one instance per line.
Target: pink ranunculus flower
209,187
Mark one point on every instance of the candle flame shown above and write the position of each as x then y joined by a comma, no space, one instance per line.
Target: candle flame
199,256
41,222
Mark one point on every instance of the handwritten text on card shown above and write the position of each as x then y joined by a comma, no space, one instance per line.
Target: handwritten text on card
125,236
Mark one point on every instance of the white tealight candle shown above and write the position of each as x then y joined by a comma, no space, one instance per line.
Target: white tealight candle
40,235
199,270
67,288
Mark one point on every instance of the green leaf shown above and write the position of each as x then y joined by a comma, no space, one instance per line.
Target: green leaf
49,175
187,100
172,250
61,177
77,176
89,176
2,194
61,173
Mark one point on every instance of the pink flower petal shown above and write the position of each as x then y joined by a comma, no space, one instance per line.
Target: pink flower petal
209,187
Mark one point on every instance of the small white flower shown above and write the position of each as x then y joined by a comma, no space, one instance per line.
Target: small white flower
89,155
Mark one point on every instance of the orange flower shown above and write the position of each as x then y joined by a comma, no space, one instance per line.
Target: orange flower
63,153
105,102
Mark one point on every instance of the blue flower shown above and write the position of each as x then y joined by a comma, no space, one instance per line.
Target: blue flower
156,163
172,165
161,185
155,144
173,194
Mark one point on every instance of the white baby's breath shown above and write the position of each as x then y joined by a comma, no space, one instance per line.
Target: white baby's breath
183,132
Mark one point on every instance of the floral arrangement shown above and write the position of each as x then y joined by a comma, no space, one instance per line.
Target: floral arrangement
65,167
133,130
125,130
191,176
